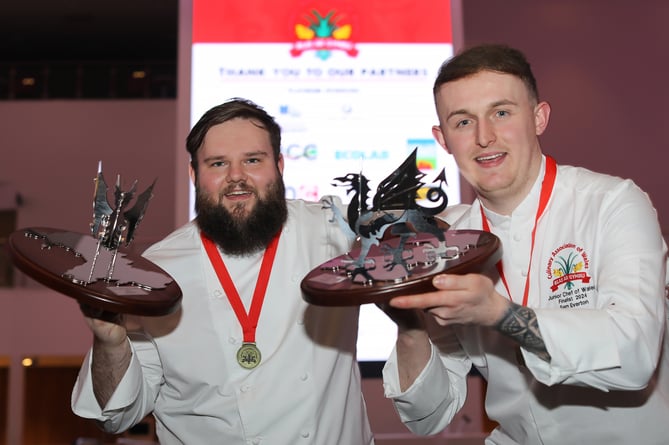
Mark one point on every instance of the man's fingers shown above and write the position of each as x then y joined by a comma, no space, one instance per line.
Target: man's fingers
420,301
101,314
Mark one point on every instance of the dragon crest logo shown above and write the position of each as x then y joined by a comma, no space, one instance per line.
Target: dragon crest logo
323,34
567,264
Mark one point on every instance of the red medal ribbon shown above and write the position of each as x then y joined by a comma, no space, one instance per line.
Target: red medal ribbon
546,191
249,322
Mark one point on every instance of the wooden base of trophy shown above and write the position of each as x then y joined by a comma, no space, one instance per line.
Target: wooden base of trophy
389,271
74,265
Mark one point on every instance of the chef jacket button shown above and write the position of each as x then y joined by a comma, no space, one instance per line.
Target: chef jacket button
516,237
232,340
245,388
305,434
256,441
523,273
304,377
218,294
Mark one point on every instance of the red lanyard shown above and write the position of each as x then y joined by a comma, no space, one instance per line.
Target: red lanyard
248,322
546,191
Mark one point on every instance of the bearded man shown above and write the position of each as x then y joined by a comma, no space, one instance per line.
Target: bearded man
245,359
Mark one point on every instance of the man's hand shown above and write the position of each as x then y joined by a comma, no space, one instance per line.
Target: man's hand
472,299
405,319
107,327
413,345
459,299
111,351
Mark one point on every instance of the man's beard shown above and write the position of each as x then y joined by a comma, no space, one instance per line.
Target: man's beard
237,234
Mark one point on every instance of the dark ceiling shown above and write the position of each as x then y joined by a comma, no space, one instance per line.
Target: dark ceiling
43,30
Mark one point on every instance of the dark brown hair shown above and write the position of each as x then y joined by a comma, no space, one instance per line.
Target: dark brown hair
487,57
231,109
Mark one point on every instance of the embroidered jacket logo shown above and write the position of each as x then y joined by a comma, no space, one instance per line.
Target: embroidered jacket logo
567,264
323,35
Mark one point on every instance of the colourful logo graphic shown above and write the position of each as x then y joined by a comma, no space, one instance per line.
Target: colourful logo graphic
426,159
427,153
568,263
323,35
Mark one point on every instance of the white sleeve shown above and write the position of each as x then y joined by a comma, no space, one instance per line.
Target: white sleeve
437,394
615,345
133,398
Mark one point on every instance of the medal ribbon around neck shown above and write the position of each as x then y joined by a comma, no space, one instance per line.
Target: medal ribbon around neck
546,191
248,322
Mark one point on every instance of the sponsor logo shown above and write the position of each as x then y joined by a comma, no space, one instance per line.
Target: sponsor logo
289,110
308,192
347,155
426,159
299,151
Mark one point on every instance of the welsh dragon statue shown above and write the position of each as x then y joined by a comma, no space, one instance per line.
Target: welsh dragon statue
394,206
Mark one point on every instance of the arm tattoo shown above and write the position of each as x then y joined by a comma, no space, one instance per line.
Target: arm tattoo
520,323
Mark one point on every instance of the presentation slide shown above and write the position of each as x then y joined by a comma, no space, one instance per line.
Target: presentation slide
350,83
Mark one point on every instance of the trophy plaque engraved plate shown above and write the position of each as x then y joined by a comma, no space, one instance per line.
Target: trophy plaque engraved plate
401,244
62,260
97,269
338,283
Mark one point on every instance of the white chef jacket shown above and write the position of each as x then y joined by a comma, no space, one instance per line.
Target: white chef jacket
597,283
307,388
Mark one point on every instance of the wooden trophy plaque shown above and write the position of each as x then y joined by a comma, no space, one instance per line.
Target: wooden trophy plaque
339,282
98,269
402,244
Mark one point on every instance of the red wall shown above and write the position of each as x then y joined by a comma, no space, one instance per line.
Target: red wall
51,149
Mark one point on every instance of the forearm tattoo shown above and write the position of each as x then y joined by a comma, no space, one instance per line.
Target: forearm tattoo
520,323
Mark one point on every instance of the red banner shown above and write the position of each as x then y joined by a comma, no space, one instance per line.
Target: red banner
359,21
570,277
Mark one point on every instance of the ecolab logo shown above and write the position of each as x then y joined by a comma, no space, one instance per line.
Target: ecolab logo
360,154
323,34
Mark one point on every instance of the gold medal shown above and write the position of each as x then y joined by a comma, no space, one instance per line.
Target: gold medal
248,355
